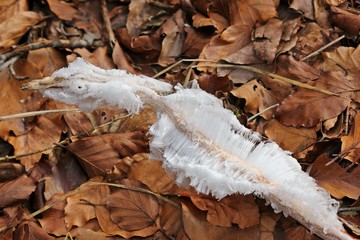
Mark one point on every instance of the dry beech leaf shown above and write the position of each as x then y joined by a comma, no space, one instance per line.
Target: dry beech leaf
47,60
171,223
132,210
13,28
16,190
194,43
43,132
289,229
62,9
342,58
338,181
268,220
160,182
305,7
53,220
257,98
88,234
234,209
213,20
100,154
111,228
80,206
252,11
350,147
11,8
306,107
289,138
347,21
267,39
174,32
31,231
213,83
196,227
10,171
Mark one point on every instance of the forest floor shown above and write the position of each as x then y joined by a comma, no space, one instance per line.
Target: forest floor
56,163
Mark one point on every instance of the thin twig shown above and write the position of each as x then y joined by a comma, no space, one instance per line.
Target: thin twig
322,49
350,209
36,113
273,75
105,15
261,112
177,63
57,43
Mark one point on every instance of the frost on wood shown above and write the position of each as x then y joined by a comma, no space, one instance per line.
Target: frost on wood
203,143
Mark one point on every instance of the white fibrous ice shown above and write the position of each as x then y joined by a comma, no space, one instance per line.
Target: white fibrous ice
204,144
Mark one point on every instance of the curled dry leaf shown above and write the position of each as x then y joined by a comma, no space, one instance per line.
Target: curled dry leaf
16,190
257,98
267,39
29,230
345,20
196,227
340,182
289,138
342,58
235,209
350,148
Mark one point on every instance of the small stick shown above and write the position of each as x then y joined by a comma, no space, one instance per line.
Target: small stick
105,15
273,75
58,43
36,113
322,49
261,112
177,63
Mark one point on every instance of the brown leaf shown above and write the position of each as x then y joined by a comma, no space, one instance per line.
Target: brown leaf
339,182
11,8
159,182
213,83
342,59
171,223
172,44
16,190
257,98
13,28
194,42
267,39
305,7
10,171
31,231
234,209
268,220
47,60
80,206
289,229
88,234
350,147
229,42
213,20
53,220
251,11
132,210
43,132
289,138
306,107
96,156
196,227
62,9
345,20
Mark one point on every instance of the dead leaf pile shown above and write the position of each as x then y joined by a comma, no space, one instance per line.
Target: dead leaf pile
88,175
